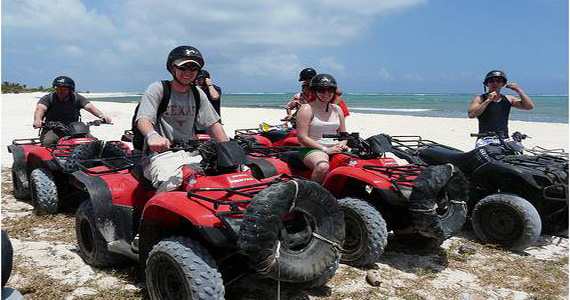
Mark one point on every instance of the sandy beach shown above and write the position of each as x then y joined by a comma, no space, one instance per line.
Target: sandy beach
47,266
17,119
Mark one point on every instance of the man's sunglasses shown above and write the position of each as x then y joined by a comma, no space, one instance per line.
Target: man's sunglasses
497,80
188,67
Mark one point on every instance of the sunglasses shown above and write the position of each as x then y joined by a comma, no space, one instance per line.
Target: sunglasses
188,67
497,80
324,90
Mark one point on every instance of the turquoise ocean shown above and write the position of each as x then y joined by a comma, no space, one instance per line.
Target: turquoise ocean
549,108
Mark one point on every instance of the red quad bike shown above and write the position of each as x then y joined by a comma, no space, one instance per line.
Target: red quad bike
419,204
220,226
41,173
270,135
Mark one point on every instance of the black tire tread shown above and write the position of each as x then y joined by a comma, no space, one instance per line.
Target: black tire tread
532,225
376,230
44,192
194,260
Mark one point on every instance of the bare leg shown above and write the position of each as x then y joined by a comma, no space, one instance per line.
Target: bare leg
318,161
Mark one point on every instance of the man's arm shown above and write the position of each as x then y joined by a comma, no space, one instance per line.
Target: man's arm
39,114
215,96
477,106
217,132
524,102
97,113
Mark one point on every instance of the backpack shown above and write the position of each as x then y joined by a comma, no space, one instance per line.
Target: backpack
138,138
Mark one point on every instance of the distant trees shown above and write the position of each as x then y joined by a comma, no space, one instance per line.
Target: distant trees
14,87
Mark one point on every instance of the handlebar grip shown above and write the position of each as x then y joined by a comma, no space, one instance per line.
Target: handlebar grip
487,134
331,136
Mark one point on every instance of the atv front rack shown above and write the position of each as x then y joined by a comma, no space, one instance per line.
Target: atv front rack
248,191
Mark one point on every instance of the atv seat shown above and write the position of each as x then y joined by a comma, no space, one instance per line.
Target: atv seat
437,155
275,135
293,159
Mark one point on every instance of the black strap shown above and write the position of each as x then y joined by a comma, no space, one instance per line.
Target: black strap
197,100
165,99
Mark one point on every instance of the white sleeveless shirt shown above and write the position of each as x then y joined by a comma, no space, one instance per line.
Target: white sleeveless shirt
318,127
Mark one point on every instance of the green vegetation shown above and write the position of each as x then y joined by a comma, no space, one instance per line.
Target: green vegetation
14,87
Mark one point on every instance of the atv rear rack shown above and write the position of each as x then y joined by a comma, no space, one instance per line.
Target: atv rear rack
30,141
398,175
412,143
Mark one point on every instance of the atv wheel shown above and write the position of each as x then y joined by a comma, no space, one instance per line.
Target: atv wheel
91,151
43,192
507,220
180,268
293,239
92,246
7,257
20,188
366,234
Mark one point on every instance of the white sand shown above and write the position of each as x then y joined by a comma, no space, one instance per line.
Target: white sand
17,119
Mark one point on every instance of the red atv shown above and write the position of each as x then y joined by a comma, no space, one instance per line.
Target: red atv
41,173
221,225
270,135
377,195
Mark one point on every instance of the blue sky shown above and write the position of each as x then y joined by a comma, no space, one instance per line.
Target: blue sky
256,46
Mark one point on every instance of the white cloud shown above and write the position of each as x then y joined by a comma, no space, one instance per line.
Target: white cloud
253,37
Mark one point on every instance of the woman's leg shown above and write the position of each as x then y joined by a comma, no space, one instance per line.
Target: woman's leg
318,161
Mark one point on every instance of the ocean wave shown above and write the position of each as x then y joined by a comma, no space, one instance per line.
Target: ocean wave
111,95
270,93
392,109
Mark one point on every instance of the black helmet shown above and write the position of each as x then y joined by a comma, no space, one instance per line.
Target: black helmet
203,74
323,81
188,53
307,74
495,74
64,81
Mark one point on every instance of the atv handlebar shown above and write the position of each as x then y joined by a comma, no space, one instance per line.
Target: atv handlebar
516,136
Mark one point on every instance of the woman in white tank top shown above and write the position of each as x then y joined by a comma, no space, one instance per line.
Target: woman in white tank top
315,119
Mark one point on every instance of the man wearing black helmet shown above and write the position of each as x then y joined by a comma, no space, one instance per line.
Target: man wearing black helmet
493,108
302,97
213,92
63,105
178,121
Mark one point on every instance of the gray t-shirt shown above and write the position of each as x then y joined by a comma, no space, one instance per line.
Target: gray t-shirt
177,122
63,111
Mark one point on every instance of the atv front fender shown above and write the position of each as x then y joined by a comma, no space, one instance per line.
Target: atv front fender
167,208
336,180
19,165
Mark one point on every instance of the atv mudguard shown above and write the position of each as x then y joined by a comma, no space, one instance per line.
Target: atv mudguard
28,157
336,180
113,203
497,175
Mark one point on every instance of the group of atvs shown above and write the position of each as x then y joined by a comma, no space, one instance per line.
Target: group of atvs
247,213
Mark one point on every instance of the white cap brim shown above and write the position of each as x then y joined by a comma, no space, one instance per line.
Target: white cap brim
181,62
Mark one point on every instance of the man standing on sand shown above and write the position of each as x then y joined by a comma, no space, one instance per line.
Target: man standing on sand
493,108
178,122
63,106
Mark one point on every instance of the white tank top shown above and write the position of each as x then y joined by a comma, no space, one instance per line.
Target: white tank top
318,127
